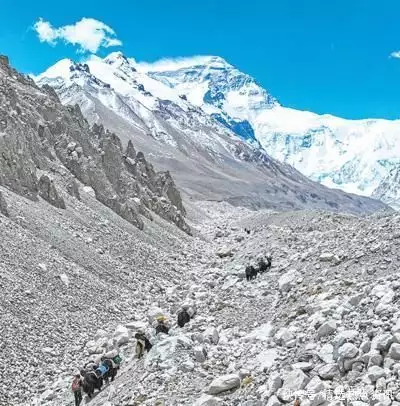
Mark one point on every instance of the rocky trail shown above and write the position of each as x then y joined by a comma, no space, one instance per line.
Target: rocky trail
323,319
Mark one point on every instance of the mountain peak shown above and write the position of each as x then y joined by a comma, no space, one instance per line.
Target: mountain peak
216,62
61,69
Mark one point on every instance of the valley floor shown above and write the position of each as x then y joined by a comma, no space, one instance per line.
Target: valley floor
332,288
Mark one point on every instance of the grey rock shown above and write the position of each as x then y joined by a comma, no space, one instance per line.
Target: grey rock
326,353
365,346
225,251
273,401
200,354
275,382
287,280
294,381
348,351
3,206
73,189
327,329
223,384
375,372
316,387
394,351
382,342
284,337
208,400
328,371
48,192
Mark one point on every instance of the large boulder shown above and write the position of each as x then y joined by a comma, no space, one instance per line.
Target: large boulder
273,401
223,384
225,251
294,381
170,351
328,371
329,257
327,328
347,351
382,342
287,280
200,354
274,382
284,337
326,353
122,335
316,387
208,400
48,192
396,327
394,351
375,372
211,334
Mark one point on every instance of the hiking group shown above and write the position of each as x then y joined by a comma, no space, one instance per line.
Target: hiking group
94,374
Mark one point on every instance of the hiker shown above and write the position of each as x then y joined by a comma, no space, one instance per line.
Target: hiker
247,230
77,389
161,326
251,272
183,317
142,344
264,266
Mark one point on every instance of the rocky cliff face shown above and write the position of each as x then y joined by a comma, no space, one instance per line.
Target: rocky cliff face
38,135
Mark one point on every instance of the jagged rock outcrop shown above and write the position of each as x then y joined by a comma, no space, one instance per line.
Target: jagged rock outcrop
48,192
73,189
3,205
40,133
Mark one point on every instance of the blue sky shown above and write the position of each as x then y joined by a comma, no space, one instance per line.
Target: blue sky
323,56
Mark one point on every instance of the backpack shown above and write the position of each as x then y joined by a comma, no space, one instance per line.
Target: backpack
76,385
117,359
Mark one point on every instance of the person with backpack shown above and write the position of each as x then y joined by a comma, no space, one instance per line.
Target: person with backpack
142,344
161,325
77,389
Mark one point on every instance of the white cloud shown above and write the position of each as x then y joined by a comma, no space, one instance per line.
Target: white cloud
174,63
395,54
89,34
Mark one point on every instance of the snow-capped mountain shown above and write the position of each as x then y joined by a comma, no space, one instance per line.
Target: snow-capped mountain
353,155
201,149
389,189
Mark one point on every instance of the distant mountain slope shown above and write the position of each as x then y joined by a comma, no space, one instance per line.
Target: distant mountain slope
353,155
389,189
207,159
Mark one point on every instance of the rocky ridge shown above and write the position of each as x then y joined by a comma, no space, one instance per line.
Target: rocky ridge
41,135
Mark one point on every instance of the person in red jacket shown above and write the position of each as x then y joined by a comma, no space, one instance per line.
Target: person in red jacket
77,389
